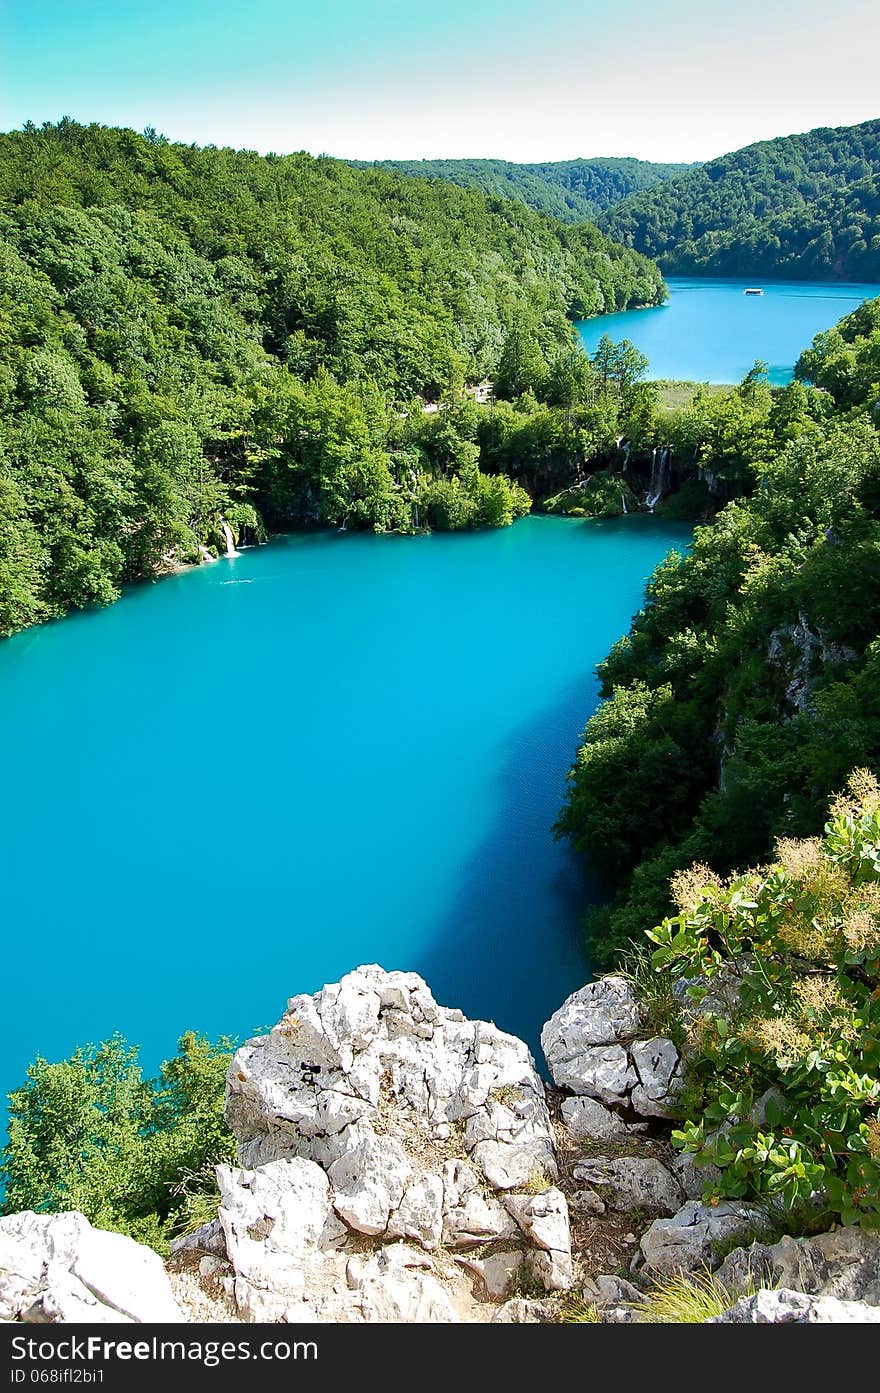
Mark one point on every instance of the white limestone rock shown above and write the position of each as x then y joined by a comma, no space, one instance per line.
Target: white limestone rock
497,1273
844,1263
376,1052
783,1306
600,1014
272,1216
690,1238
588,1120
631,1182
369,1181
658,1066
543,1218
56,1267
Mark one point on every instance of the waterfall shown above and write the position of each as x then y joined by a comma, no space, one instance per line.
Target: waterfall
660,476
206,555
230,540
626,449
623,504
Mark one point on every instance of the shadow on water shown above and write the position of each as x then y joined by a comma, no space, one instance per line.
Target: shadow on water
511,946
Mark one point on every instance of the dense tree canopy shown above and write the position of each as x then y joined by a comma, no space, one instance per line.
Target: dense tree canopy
569,190
191,335
800,207
749,685
135,1155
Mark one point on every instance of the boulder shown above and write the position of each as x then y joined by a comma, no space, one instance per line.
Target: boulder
658,1066
785,1307
692,1237
592,1049
57,1267
588,1120
498,1273
600,1014
631,1182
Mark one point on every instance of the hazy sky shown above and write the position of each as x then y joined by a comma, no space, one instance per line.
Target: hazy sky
374,79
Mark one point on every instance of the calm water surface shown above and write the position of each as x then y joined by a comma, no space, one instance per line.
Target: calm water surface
241,782
710,331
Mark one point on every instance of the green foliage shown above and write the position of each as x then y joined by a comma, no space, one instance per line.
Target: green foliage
569,190
690,1300
601,495
188,335
133,1155
803,206
784,1088
749,684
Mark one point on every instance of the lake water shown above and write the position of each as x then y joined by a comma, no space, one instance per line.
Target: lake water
242,781
710,331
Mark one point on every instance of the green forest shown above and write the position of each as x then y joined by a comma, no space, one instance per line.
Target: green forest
569,190
191,336
749,684
799,207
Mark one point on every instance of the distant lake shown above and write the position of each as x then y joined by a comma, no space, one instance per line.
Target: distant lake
241,782
710,331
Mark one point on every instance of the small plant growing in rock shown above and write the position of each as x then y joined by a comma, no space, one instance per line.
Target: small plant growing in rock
538,1182
508,1095
576,1311
687,1300
784,1086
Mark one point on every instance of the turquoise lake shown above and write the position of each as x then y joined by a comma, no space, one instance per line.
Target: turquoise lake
710,331
242,781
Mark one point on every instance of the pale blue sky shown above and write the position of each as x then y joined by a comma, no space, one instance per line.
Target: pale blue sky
391,79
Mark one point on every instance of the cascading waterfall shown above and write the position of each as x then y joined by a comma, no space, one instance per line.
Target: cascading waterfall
623,504
660,476
230,540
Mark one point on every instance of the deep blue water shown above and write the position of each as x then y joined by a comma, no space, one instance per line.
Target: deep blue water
710,331
240,782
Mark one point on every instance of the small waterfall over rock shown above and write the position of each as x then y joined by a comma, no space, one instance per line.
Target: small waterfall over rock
230,540
660,476
623,506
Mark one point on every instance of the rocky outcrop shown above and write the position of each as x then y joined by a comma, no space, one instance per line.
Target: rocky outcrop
786,1307
694,1236
800,654
56,1267
593,1050
370,1114
631,1183
844,1263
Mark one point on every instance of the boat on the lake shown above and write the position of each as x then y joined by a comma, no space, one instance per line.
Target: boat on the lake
753,290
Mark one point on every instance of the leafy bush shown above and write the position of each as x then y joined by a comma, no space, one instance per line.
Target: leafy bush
783,1090
133,1155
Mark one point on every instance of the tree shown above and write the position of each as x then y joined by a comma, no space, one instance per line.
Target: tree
91,1134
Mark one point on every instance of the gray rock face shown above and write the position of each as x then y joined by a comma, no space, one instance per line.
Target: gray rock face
631,1182
600,1013
785,1307
370,1112
591,1047
588,1120
690,1238
56,1267
694,1180
844,1263
658,1066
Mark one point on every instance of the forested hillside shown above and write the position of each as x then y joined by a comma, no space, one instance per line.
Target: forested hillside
749,685
800,207
191,335
570,190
